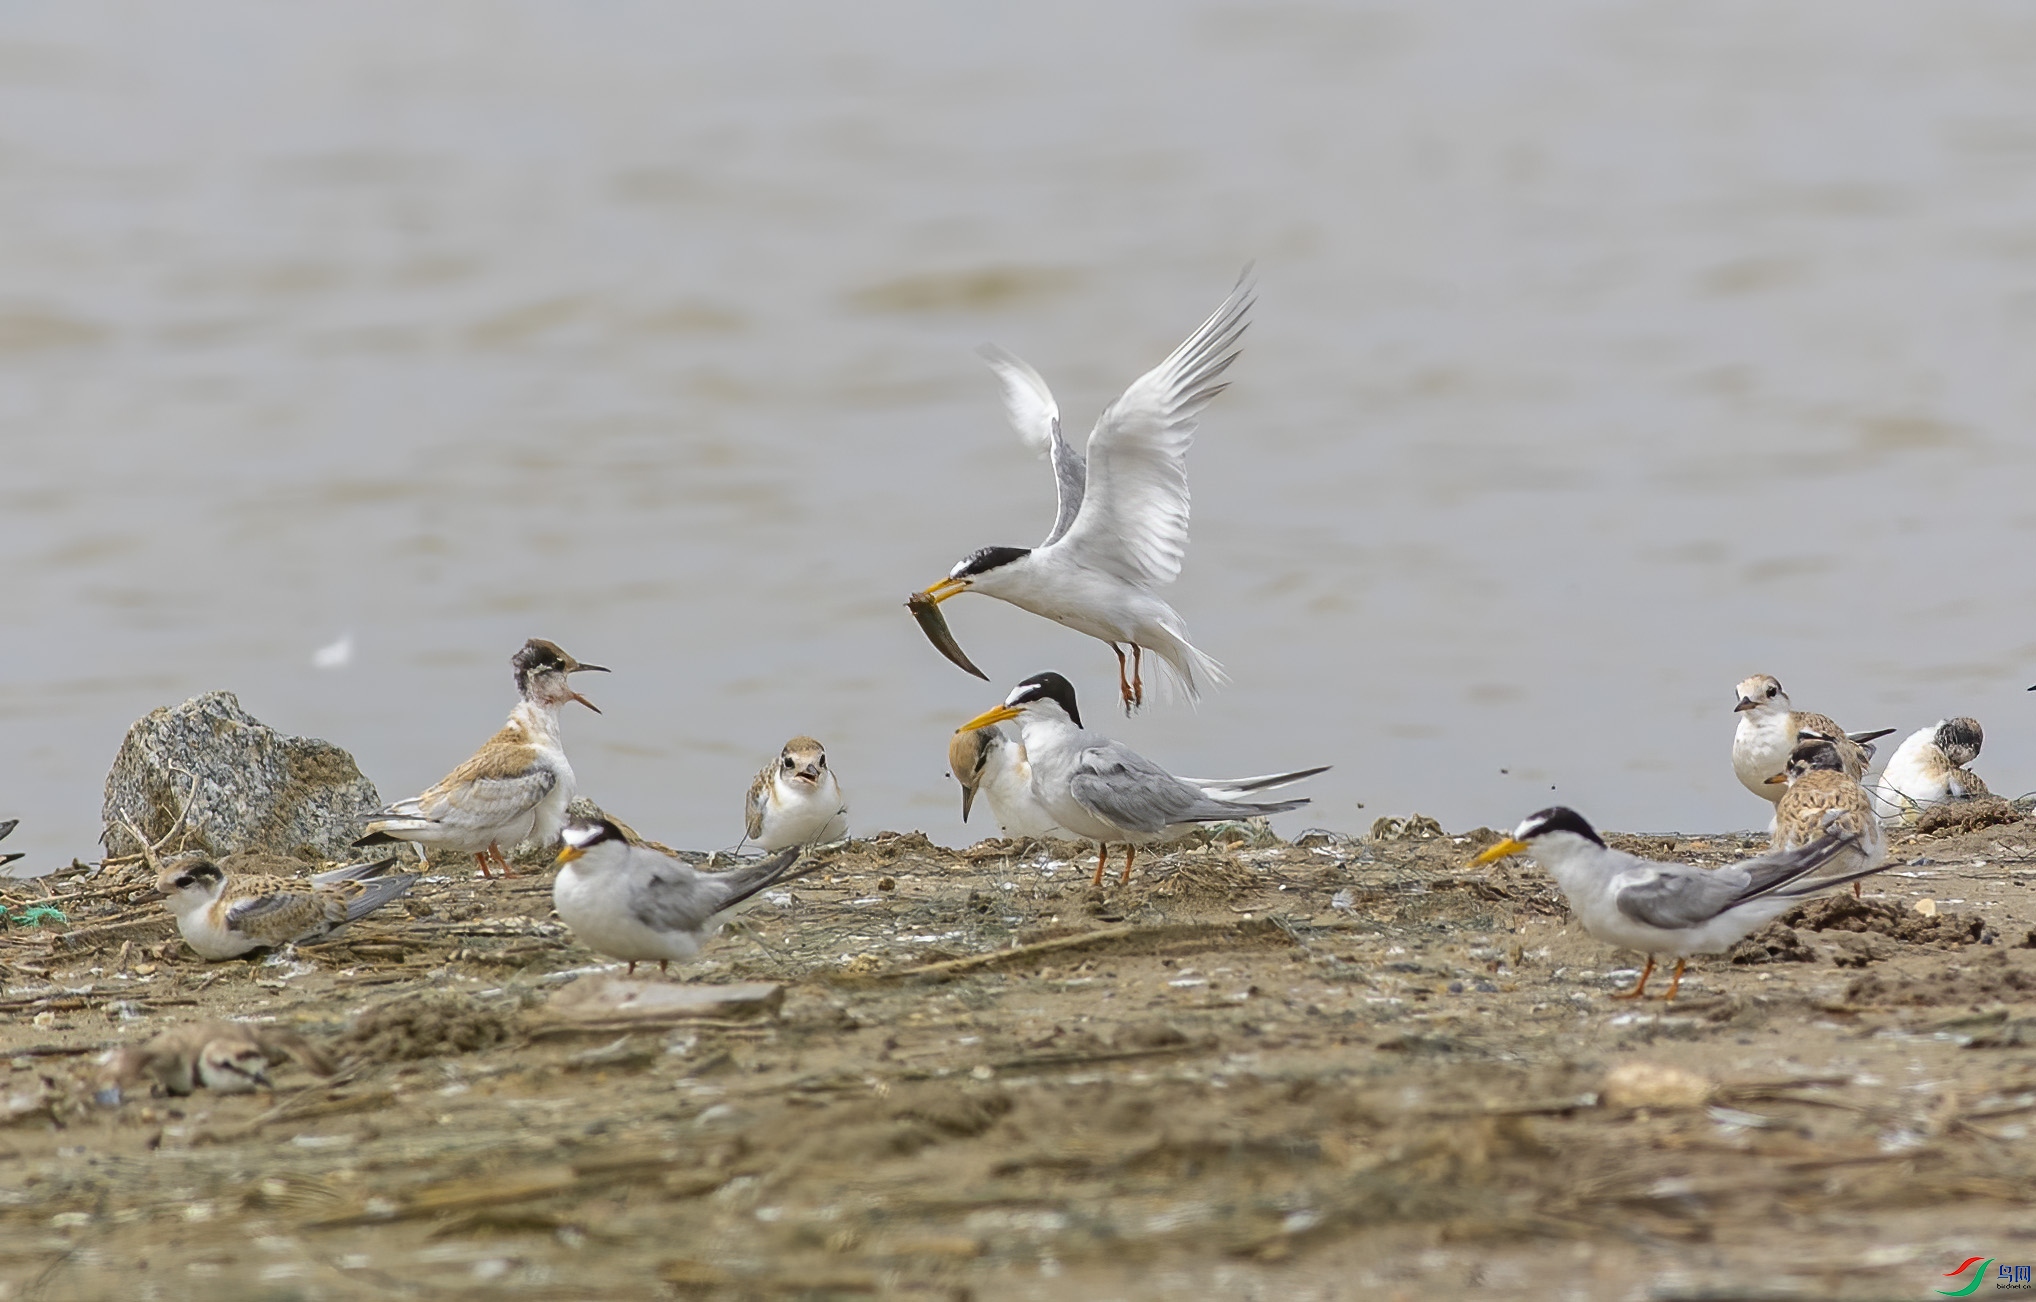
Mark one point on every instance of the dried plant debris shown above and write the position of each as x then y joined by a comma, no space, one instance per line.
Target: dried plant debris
427,1027
956,1079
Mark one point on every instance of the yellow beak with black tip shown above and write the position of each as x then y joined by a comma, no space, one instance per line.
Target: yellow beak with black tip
984,720
946,588
1779,779
569,854
1505,849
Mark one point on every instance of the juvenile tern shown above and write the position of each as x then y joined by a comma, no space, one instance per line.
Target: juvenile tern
1928,768
515,787
229,1057
1121,529
990,762
1823,799
1769,729
1666,908
634,903
224,915
795,800
1102,790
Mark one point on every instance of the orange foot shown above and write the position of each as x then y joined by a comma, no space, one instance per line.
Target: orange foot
1676,982
1641,984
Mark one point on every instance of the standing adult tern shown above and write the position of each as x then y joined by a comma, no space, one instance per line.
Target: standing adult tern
1668,908
1104,791
1122,526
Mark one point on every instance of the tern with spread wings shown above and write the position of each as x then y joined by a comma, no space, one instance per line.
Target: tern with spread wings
1122,527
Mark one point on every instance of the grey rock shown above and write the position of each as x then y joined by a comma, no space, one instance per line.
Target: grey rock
248,787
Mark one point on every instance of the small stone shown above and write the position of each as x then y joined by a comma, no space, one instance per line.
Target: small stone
887,883
1653,1085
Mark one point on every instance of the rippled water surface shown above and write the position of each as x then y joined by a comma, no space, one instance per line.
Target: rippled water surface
1605,354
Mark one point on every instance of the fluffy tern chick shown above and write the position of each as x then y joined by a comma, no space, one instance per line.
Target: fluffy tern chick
1821,800
1928,768
1121,530
634,903
1102,790
224,915
514,788
991,762
229,1057
1769,729
1666,908
795,799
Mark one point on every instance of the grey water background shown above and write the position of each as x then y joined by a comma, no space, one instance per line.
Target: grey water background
1605,354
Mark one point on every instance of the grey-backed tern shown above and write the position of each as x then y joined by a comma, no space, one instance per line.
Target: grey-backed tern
1666,908
1102,790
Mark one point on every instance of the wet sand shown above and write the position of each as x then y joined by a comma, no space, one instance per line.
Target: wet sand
1349,1068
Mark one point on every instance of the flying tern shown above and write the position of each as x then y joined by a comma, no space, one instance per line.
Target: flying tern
1121,529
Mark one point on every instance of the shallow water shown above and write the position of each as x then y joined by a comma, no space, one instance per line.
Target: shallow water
1605,355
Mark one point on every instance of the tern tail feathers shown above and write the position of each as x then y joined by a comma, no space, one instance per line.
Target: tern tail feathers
1186,668
374,894
354,872
1237,788
741,883
378,838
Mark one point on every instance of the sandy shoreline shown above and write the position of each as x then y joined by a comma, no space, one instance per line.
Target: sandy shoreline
1348,1069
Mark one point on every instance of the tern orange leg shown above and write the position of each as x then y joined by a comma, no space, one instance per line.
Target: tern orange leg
1102,862
1676,982
631,970
1123,683
1129,852
1639,985
502,859
664,967
1137,674
482,860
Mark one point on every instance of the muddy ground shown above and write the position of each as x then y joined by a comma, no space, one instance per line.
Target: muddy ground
1341,1069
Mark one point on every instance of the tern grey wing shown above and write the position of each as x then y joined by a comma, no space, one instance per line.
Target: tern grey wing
1122,787
1036,417
1133,521
1674,896
678,897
